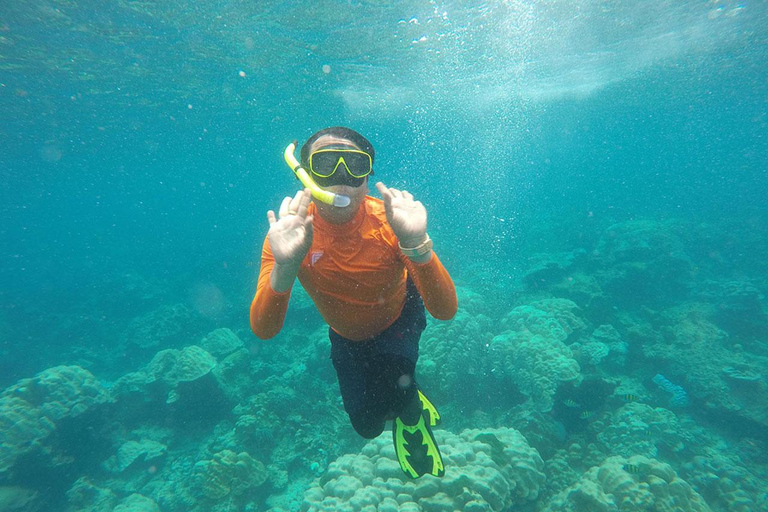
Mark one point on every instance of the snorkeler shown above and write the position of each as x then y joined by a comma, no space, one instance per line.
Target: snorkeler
369,267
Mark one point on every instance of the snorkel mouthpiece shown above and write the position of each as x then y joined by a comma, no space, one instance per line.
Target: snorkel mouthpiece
318,193
340,200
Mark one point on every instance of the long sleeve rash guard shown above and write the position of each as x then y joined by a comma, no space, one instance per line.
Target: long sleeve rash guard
356,275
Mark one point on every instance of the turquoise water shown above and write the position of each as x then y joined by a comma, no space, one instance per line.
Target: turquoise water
595,175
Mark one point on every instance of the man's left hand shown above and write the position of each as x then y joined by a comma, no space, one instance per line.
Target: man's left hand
407,217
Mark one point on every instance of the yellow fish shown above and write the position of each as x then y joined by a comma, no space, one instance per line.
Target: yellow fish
586,415
629,397
632,469
570,403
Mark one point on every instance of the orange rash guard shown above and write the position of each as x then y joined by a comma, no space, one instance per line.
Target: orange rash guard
356,275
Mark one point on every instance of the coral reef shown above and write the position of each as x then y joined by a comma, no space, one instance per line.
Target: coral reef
727,485
18,499
644,262
489,470
221,342
627,484
189,433
166,326
582,288
175,366
639,429
169,368
678,396
685,341
228,473
633,373
85,496
533,353
550,318
131,451
456,353
137,503
604,348
698,455
550,268
741,310
31,409
537,366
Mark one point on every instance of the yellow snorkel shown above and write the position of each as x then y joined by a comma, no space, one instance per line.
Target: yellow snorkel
318,193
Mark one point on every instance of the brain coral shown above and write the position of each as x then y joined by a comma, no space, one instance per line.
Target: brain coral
488,470
623,485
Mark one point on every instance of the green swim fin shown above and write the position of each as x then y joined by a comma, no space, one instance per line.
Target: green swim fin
415,445
426,406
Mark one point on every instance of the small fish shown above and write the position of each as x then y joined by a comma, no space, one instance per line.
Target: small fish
586,414
632,469
627,397
570,403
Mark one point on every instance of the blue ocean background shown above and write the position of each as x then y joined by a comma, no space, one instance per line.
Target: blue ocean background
595,175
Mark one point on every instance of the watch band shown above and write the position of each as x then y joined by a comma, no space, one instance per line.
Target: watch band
420,250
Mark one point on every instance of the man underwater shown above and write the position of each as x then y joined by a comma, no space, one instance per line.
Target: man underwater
369,267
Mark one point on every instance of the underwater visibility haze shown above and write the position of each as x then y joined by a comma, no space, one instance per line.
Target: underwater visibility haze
595,176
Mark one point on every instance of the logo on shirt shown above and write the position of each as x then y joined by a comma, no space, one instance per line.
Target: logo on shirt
314,257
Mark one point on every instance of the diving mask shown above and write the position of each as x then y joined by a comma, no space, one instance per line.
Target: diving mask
332,166
318,193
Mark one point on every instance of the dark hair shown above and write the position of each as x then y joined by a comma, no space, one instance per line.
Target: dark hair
343,133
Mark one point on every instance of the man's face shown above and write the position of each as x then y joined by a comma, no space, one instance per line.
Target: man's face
356,194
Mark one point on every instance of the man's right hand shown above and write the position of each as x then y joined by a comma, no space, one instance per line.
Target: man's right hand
290,235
